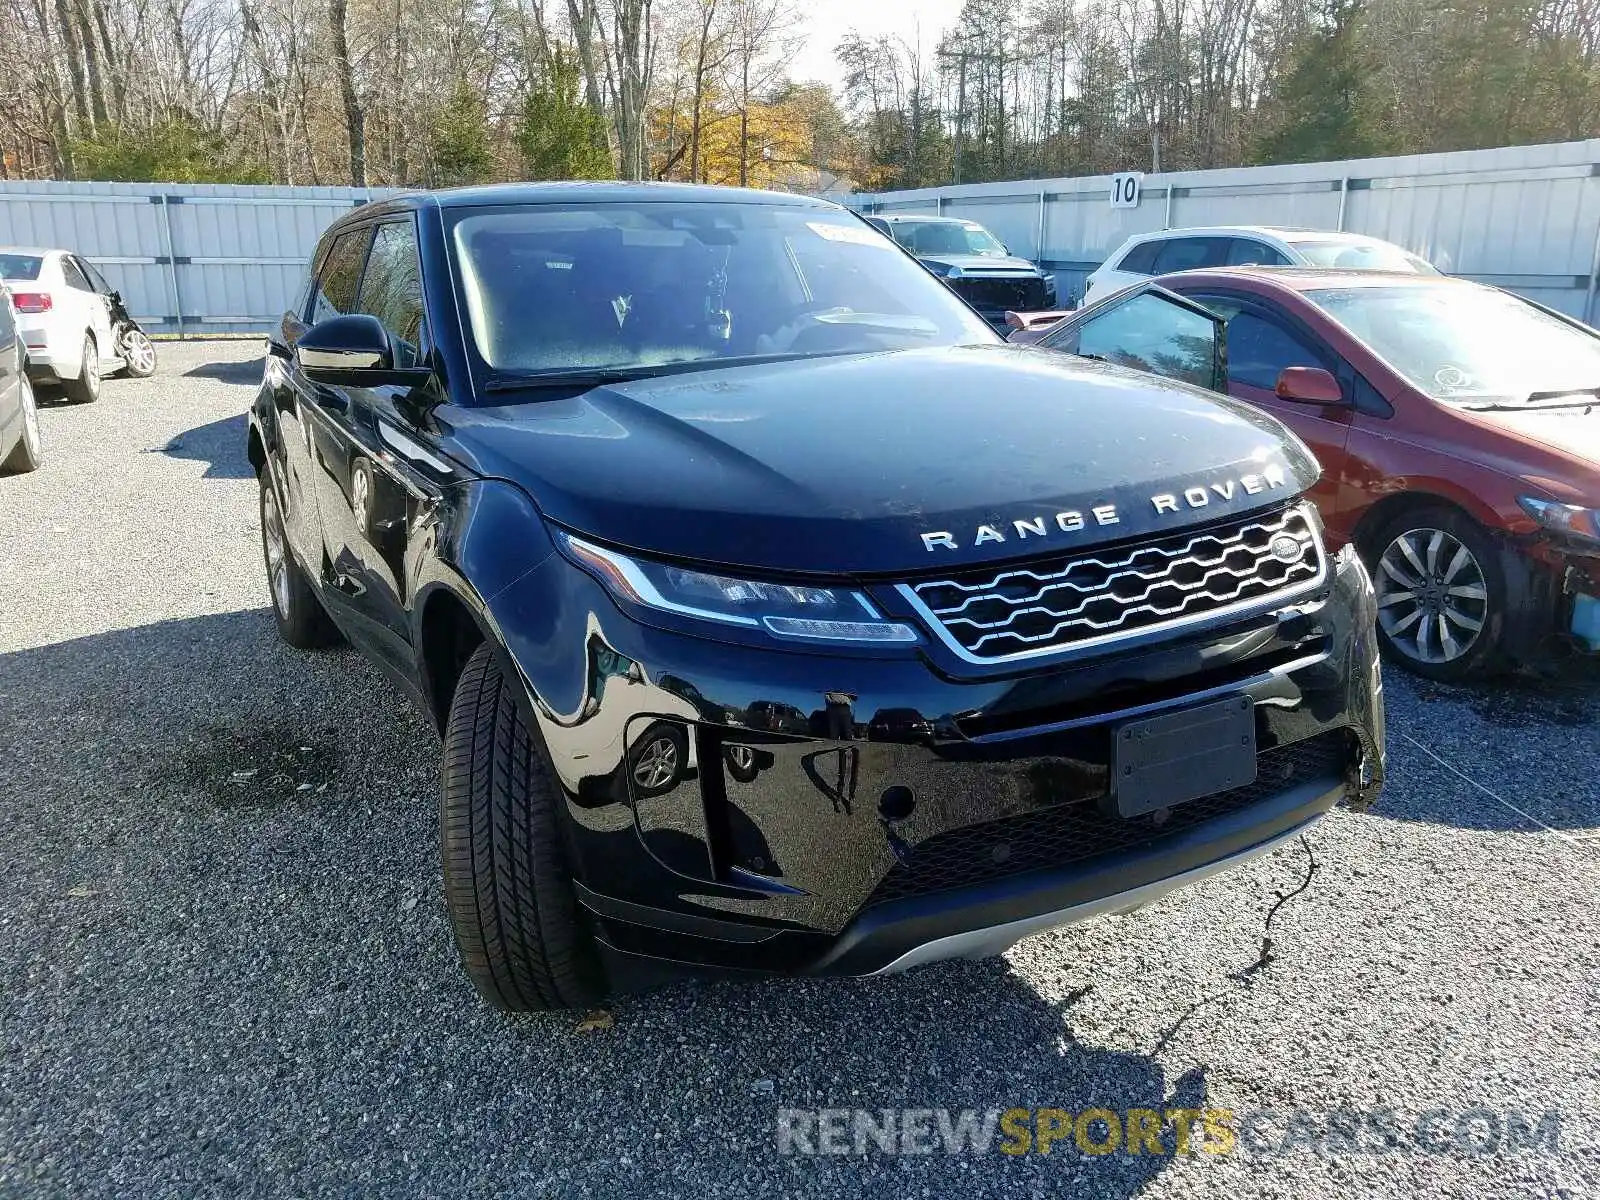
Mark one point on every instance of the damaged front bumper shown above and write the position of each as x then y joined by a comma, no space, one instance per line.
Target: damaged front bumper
851,815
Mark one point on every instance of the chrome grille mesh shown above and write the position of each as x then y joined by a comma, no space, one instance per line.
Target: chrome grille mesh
1087,600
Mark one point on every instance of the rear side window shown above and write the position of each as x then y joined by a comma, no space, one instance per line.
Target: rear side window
1191,253
1141,260
20,266
75,278
1247,252
335,292
391,290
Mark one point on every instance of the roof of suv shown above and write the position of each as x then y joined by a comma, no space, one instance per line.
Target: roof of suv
924,218
608,192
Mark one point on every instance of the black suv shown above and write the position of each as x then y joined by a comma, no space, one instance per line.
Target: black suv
774,613
974,264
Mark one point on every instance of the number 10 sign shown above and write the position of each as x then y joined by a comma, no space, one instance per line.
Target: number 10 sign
1125,189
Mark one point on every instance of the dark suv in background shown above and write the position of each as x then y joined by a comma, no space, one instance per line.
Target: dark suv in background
760,636
974,263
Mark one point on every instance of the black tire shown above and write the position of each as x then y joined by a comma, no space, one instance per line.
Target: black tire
522,937
744,763
27,454
1481,656
302,621
85,389
138,354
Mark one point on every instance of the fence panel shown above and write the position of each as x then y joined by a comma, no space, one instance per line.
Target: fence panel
1525,217
199,258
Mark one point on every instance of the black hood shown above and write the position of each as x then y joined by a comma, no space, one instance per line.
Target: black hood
981,264
887,463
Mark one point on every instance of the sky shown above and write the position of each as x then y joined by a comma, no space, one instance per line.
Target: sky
827,21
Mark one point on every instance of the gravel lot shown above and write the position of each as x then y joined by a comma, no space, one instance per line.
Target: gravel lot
221,985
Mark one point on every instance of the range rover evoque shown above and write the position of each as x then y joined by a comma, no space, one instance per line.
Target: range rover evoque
777,616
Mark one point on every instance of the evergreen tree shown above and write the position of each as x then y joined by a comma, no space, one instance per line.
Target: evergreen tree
561,136
1331,108
460,139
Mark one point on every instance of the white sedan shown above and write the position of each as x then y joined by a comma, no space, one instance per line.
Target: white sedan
72,321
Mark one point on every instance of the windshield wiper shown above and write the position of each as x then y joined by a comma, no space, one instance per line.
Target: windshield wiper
1591,392
593,377
518,381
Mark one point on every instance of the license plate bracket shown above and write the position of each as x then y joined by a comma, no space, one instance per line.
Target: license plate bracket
1161,761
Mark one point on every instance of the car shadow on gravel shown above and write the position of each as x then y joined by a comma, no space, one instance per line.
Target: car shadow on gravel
238,843
226,371
219,444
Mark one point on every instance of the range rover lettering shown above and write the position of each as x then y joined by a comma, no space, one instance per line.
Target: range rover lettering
777,616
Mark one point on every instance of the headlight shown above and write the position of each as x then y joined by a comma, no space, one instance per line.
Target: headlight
1571,519
784,610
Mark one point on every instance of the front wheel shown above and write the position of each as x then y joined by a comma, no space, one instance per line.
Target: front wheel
27,454
138,354
85,389
302,621
1441,597
522,937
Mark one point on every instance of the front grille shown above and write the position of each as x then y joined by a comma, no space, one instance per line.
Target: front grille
1016,292
1073,833
1063,603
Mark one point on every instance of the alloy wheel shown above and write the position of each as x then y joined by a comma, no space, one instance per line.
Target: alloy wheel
277,550
91,368
139,352
1433,599
657,765
741,758
30,417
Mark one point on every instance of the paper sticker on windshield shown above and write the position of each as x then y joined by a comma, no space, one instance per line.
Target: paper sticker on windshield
856,235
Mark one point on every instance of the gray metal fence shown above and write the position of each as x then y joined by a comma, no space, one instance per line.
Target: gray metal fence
187,258
215,258
1526,218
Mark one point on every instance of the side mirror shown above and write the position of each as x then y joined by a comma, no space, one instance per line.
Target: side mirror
353,351
1309,385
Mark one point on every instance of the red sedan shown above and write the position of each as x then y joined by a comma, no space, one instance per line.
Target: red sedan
1458,427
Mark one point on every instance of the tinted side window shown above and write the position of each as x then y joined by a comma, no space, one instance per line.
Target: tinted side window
1247,252
1141,259
1188,254
1149,333
1259,349
335,292
96,280
391,290
75,278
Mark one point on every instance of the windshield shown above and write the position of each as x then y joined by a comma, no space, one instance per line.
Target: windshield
1467,345
1363,256
949,237
553,288
20,266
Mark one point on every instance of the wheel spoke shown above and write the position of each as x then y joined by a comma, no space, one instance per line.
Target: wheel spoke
1469,591
1447,640
1435,543
1410,551
1393,572
1462,558
1388,598
1469,623
1405,622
